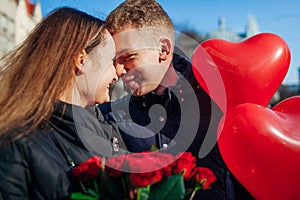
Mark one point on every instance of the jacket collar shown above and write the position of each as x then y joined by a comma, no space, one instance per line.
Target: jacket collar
82,126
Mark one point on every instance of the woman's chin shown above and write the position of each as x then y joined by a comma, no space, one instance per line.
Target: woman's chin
103,100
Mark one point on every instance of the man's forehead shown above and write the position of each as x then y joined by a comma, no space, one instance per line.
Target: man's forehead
134,39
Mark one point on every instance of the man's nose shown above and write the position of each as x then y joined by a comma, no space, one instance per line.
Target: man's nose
120,69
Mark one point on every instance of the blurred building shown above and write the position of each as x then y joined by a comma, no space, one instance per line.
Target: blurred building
222,32
17,19
188,40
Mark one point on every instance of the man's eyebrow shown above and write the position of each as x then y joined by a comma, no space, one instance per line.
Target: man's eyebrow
123,51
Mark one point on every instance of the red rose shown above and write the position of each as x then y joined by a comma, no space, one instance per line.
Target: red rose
89,169
114,165
184,164
164,162
148,167
166,171
162,158
147,161
147,178
204,176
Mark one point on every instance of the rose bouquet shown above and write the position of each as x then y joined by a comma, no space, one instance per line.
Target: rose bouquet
142,176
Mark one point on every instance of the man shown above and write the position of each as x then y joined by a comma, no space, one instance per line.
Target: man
167,110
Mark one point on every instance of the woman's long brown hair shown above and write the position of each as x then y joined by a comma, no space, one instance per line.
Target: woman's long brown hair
36,72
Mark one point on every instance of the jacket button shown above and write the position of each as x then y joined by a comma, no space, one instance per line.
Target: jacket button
161,119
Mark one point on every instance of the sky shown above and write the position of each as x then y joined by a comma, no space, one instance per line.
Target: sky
273,16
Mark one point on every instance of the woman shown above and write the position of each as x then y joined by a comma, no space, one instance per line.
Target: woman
65,65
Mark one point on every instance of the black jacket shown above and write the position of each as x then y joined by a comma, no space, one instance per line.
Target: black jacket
37,166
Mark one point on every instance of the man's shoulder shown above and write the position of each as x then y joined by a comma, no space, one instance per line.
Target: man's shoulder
183,66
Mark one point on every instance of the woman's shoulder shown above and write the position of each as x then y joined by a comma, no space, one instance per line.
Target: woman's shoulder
16,140
13,150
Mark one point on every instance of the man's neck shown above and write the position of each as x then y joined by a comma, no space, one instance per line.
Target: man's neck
170,79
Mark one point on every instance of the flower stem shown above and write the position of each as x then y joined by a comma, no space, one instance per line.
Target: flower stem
192,195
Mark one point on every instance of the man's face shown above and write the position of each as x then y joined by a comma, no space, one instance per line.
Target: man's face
139,55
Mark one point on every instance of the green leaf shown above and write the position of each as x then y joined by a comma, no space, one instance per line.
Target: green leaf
153,148
171,187
143,193
93,193
83,196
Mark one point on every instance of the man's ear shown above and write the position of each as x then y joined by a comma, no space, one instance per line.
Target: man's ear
79,61
165,49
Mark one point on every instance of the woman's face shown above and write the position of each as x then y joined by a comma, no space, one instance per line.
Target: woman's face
98,73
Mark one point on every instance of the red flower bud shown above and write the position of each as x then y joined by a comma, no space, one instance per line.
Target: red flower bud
147,168
89,169
145,179
204,177
114,165
184,164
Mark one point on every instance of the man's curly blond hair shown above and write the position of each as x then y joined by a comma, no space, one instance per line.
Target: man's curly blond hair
138,14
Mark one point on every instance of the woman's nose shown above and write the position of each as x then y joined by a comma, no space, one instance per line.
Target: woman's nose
115,77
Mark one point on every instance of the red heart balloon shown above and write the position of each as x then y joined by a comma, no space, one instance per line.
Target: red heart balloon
261,147
244,72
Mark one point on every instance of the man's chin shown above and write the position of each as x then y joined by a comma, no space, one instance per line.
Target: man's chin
138,92
142,91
